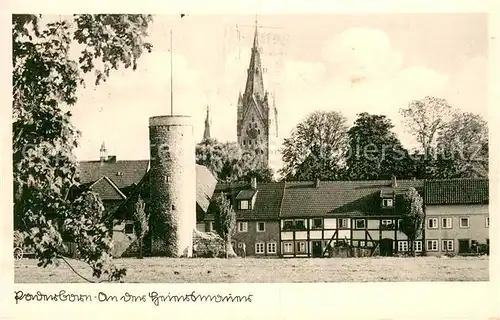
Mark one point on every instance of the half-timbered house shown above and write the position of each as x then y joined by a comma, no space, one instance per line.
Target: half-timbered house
322,214
257,208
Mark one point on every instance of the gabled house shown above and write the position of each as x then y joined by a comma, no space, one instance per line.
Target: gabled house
257,209
119,185
113,180
457,215
320,214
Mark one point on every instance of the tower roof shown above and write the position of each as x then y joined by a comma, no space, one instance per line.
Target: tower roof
255,83
206,133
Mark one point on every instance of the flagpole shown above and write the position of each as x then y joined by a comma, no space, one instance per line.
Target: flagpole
171,78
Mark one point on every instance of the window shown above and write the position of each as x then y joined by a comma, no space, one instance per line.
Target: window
432,245
261,226
259,248
418,246
242,226
387,224
288,224
317,223
360,223
129,228
271,247
167,178
402,246
301,247
288,247
446,223
244,204
212,226
387,203
447,246
343,223
487,222
300,224
362,244
432,223
464,222
244,142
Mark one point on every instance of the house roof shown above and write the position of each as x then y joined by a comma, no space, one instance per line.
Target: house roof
106,189
303,199
456,191
123,173
267,202
205,186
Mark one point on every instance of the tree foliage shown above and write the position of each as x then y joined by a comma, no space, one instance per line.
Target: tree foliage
425,118
462,150
375,152
225,220
141,225
316,148
413,217
46,78
230,163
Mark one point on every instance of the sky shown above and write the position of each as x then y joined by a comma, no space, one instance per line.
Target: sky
344,63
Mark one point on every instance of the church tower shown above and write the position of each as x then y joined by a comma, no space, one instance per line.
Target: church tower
206,133
257,123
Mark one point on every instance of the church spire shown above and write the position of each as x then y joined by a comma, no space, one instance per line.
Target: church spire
206,133
255,84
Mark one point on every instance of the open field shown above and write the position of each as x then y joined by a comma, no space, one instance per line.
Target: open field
164,270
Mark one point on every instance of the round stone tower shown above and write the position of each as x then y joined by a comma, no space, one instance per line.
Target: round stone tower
173,185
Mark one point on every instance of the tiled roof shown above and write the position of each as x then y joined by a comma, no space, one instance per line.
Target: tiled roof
456,191
107,190
303,199
267,202
122,173
205,185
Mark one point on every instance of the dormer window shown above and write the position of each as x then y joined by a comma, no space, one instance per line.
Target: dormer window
119,173
246,199
244,205
387,203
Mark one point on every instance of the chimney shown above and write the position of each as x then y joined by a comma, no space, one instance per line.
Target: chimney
316,183
394,183
253,183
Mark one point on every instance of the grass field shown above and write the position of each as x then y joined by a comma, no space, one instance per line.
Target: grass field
163,270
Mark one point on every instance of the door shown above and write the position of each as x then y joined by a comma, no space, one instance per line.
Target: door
463,246
386,247
316,249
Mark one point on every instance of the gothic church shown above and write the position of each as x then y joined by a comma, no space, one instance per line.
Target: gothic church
257,119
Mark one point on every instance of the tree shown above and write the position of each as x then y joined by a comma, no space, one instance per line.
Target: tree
230,163
141,219
225,221
413,218
425,118
316,148
375,152
462,150
46,79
